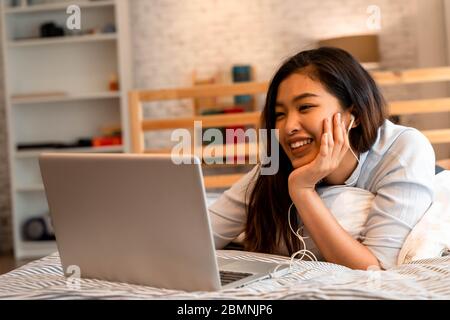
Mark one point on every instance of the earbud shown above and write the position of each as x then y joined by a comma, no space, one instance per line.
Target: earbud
352,120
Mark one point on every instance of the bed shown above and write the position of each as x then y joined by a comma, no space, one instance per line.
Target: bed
421,279
424,279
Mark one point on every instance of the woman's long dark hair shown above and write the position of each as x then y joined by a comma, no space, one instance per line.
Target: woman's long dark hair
342,76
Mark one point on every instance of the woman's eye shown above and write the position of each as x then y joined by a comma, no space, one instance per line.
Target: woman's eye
279,114
304,107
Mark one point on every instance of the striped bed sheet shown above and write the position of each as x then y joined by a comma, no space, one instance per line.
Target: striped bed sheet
425,279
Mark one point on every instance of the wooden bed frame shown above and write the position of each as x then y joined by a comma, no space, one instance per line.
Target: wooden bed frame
139,125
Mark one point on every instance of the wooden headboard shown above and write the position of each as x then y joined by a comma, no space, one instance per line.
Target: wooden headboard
139,125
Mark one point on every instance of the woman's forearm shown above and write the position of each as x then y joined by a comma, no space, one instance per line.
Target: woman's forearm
335,244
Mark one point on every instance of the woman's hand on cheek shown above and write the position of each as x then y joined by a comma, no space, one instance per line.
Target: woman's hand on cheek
333,146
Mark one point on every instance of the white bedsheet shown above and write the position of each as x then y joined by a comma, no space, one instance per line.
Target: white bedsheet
426,279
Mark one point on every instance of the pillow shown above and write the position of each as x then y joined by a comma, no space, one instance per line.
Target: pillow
431,236
349,205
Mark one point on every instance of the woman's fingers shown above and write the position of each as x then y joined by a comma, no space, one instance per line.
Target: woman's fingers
338,137
329,132
334,144
324,145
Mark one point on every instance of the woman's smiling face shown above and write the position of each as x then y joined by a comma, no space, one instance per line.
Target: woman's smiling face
302,106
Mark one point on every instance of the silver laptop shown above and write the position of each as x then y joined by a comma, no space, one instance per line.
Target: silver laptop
138,219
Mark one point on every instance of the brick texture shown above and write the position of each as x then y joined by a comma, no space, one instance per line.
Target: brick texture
173,38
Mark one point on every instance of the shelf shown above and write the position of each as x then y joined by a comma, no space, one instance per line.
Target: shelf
62,40
58,6
31,188
57,90
66,98
36,153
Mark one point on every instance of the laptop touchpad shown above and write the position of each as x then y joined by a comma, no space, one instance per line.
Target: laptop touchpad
248,266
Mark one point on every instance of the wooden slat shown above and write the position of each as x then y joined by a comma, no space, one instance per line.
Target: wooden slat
226,165
438,136
422,75
220,120
251,151
137,136
201,91
407,76
419,106
222,181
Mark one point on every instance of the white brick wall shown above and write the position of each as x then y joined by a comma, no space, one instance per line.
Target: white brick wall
173,38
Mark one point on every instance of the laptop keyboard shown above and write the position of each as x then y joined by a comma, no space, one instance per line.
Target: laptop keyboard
227,277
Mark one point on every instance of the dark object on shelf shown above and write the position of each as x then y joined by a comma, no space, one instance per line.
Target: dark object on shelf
81,143
113,82
109,28
242,74
50,145
15,3
38,229
85,142
50,29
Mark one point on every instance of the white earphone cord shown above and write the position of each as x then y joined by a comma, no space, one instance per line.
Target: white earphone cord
305,252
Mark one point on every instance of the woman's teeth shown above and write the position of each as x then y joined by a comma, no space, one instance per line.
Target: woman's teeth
300,143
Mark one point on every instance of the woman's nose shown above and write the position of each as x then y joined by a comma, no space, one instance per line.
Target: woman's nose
292,124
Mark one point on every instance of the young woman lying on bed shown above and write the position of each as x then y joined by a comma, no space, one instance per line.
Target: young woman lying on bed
311,100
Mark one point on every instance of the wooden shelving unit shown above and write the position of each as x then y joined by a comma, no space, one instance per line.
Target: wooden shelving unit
57,89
